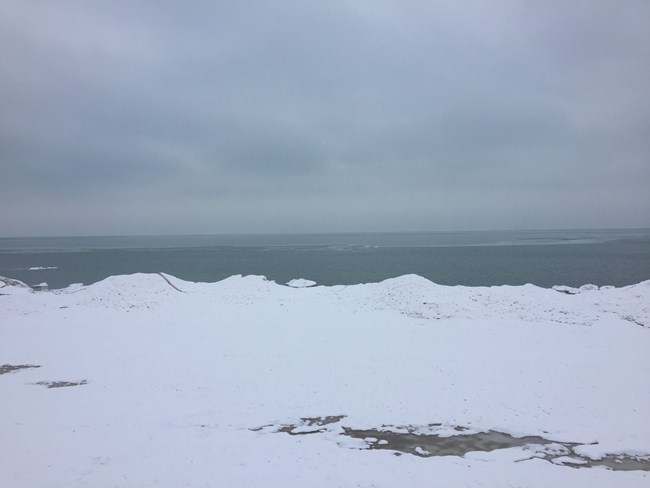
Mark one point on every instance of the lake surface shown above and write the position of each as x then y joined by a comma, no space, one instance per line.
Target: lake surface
545,258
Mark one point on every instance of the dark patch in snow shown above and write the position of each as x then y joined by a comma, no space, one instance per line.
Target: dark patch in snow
566,290
10,368
170,283
427,445
61,384
409,440
637,322
312,424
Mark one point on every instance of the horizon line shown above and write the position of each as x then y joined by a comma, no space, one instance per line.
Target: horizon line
556,229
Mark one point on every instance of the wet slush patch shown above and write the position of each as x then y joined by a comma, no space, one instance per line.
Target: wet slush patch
411,440
61,384
425,445
10,368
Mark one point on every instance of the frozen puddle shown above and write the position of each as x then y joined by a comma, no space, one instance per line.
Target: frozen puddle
422,441
10,368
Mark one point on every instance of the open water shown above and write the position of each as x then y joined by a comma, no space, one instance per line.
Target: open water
545,258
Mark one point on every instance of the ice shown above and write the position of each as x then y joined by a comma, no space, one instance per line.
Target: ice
568,460
301,283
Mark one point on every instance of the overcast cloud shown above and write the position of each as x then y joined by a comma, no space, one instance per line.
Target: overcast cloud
136,117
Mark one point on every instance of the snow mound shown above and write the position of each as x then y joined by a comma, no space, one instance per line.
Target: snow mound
6,282
301,283
9,286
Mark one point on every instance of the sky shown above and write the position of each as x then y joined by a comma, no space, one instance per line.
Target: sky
187,117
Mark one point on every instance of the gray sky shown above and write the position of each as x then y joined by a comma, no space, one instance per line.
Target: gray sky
153,117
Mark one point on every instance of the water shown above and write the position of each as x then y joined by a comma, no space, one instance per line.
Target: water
406,439
544,258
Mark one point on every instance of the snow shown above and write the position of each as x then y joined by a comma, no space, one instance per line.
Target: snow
40,268
301,283
246,382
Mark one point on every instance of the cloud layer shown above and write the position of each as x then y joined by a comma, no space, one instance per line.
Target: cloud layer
211,117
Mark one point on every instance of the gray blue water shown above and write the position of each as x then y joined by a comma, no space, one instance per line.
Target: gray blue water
544,258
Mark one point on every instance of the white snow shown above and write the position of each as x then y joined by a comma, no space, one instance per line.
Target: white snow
301,283
40,268
192,388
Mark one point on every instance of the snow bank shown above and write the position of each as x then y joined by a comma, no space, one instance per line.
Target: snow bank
148,380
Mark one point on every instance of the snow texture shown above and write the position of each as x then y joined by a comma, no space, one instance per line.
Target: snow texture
245,382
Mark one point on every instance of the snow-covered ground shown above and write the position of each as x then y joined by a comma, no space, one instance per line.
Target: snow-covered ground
245,382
